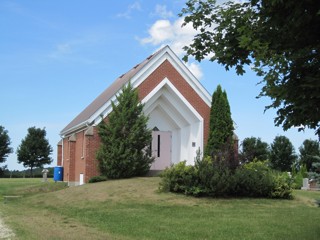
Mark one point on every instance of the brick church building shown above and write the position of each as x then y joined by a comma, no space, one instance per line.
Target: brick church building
178,107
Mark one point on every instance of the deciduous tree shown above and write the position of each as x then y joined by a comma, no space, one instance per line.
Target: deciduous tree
309,151
34,150
278,39
5,142
282,154
254,148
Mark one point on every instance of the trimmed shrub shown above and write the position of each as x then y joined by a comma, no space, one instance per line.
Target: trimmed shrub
180,178
214,179
221,183
253,179
97,179
281,186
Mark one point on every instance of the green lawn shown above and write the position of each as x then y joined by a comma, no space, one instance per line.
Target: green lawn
26,186
9,186
134,209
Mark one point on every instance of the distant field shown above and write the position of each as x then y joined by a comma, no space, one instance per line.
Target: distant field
134,209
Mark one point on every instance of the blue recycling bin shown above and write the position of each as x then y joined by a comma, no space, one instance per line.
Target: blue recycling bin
58,173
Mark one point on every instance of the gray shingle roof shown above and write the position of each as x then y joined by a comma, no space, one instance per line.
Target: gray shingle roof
106,95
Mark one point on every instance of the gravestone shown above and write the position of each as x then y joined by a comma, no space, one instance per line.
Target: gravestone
45,175
305,184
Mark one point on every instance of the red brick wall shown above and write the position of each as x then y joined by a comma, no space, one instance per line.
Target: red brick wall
59,155
79,163
92,165
167,70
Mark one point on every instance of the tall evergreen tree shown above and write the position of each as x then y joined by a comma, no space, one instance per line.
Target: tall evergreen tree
282,154
221,124
125,139
5,148
34,150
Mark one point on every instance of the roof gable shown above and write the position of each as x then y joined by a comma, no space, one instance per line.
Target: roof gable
101,106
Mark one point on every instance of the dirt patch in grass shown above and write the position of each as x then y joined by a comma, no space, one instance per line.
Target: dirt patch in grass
5,231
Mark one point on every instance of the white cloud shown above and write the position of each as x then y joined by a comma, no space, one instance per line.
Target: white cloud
162,12
165,32
195,69
160,32
132,7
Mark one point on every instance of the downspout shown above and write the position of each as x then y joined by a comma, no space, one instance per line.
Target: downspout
62,152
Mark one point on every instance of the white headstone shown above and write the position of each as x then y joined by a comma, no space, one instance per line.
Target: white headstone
44,175
305,184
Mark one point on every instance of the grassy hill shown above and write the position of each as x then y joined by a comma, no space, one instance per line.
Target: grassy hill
134,209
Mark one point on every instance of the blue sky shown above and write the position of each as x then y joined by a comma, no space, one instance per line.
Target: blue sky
57,56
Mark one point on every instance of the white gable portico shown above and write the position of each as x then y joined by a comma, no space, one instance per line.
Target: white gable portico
169,111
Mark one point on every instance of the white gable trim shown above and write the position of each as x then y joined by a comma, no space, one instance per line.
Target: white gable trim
168,54
167,82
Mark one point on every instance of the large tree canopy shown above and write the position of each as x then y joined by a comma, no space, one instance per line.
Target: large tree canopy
279,39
